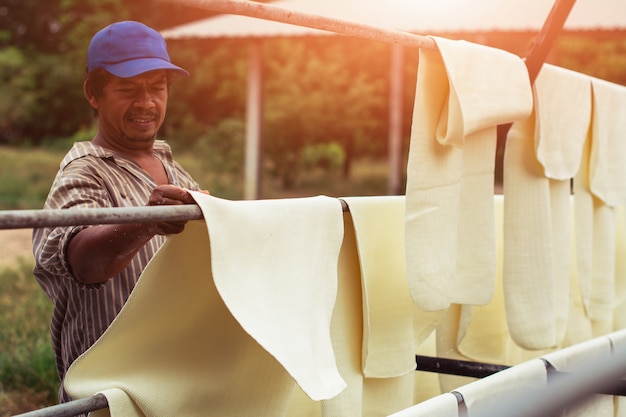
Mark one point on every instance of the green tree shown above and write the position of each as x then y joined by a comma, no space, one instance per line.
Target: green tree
42,64
605,60
316,94
215,91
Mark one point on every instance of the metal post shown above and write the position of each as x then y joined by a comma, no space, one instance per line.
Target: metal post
541,47
396,81
254,121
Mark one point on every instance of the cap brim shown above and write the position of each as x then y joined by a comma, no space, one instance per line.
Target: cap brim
135,67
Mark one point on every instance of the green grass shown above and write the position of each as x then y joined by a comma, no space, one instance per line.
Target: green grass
26,176
28,378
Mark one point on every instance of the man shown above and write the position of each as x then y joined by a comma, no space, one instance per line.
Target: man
89,271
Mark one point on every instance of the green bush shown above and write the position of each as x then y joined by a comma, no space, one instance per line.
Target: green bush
328,156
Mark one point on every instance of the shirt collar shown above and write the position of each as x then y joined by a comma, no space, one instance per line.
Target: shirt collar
82,149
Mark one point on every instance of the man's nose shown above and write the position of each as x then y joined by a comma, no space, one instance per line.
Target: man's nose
143,97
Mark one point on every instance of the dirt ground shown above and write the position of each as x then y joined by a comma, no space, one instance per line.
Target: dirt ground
15,244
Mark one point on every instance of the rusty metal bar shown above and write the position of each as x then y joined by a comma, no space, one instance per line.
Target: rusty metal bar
340,26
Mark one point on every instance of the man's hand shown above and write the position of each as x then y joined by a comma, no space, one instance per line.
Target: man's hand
169,195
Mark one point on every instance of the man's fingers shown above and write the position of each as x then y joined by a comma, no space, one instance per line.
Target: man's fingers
164,201
170,195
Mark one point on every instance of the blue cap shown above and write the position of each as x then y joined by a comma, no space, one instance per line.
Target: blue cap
126,49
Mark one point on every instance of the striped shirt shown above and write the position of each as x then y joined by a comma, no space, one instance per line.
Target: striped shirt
91,176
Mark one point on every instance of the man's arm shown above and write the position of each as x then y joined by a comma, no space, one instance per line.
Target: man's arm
98,253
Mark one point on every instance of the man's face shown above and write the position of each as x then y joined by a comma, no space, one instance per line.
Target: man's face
131,110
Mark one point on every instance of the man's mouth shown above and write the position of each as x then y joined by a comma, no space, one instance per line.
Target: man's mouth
142,119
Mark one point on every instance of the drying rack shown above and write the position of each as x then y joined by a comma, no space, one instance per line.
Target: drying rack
567,388
602,378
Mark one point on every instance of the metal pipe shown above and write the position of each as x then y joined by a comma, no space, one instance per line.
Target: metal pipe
28,219
456,367
564,390
482,370
70,409
340,26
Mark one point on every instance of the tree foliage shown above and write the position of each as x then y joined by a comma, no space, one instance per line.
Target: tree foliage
605,59
316,93
42,49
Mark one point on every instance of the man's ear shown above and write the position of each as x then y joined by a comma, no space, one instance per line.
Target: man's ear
89,95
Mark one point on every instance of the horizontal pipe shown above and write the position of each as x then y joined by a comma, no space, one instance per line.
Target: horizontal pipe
482,370
340,26
563,390
29,219
456,367
71,409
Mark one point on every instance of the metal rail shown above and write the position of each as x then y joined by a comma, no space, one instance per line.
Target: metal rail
456,367
481,370
27,219
564,389
340,26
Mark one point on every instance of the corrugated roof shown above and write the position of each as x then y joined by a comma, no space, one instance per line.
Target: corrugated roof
418,16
